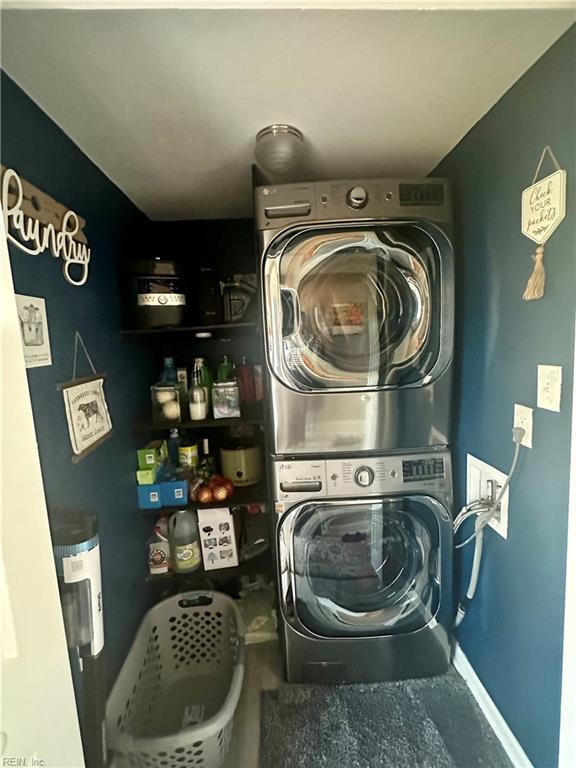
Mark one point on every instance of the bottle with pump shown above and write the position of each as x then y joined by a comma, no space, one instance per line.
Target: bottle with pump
225,369
184,541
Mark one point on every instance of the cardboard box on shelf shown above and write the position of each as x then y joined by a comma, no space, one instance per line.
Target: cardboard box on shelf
217,538
149,496
146,476
152,454
174,493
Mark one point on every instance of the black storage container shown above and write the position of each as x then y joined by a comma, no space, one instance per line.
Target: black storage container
208,304
157,294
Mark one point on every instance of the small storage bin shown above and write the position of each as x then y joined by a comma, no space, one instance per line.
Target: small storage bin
174,493
173,703
166,405
149,496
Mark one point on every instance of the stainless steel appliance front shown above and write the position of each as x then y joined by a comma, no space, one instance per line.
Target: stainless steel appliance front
358,314
364,551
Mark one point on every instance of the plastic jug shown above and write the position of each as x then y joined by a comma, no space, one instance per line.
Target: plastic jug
184,541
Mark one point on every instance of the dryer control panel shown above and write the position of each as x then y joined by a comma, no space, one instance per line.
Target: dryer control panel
363,476
280,205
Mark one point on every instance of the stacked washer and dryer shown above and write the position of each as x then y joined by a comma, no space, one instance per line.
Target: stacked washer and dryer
357,290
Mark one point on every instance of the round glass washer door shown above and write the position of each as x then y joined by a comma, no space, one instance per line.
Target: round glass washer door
365,568
356,307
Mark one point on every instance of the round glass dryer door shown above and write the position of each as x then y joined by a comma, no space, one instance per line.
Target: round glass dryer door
365,568
357,307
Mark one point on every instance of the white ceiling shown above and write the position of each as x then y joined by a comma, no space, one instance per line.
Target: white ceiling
167,102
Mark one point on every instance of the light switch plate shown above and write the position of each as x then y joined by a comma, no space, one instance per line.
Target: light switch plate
523,418
549,387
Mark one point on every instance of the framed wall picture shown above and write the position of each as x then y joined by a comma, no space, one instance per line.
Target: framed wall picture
34,330
89,422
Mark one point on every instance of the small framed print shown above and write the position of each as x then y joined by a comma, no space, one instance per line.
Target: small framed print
34,330
89,422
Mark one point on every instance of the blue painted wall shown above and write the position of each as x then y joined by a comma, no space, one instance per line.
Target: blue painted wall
104,481
513,632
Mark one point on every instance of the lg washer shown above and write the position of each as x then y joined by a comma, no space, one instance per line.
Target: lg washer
364,562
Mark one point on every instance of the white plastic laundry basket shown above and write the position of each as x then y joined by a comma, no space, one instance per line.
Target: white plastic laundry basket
173,703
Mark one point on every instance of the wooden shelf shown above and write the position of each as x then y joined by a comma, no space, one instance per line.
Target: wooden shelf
250,415
242,497
217,329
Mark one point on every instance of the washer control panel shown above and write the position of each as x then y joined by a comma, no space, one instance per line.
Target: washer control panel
368,476
363,476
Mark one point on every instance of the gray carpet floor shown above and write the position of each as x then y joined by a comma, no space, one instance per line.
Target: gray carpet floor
432,723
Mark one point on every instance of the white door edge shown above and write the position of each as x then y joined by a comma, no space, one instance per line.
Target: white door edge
39,722
567,755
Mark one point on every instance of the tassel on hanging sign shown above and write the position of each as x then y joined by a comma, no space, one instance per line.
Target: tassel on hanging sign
543,208
537,280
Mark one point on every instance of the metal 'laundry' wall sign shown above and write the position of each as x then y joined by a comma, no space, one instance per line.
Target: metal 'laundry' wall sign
36,223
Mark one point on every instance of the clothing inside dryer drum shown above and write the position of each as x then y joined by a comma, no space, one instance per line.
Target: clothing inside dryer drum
359,307
365,569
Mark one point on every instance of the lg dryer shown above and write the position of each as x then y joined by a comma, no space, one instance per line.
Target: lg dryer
358,297
364,559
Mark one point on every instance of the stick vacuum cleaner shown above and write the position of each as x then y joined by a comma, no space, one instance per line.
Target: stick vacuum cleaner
77,554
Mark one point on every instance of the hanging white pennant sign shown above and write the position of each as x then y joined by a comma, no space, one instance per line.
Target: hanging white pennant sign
544,206
543,209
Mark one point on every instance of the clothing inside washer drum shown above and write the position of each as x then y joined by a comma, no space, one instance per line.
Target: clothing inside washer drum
363,568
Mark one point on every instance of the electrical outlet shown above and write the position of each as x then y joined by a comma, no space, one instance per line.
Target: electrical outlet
484,482
523,419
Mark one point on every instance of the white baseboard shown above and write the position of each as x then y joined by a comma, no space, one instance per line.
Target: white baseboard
511,745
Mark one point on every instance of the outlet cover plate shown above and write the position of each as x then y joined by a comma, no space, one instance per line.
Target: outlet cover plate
523,418
478,473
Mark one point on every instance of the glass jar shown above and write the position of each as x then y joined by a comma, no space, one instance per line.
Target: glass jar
165,403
